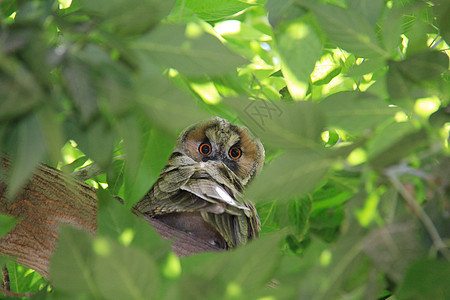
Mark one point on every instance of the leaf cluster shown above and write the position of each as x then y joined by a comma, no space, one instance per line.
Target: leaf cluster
349,97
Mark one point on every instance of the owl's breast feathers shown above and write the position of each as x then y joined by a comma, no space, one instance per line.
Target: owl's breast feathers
209,189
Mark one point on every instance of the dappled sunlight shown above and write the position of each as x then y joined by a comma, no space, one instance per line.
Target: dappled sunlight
325,136
323,67
193,30
325,258
228,27
63,4
172,267
357,157
424,107
349,98
101,246
127,236
207,91
233,290
445,133
368,213
401,116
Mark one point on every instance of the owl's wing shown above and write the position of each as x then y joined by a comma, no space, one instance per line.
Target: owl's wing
239,223
210,190
235,229
213,192
176,191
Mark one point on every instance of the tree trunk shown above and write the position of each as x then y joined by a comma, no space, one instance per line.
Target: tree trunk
52,198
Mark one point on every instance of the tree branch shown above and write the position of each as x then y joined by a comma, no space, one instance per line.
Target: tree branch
51,199
419,212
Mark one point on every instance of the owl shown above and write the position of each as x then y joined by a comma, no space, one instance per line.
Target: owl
199,191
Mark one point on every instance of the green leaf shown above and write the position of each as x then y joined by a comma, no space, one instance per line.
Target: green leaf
293,270
96,141
367,66
330,76
394,142
322,272
31,148
191,52
299,210
77,163
116,221
79,83
289,126
147,153
242,273
7,223
71,266
299,49
17,82
399,88
333,200
440,117
391,30
444,22
325,224
130,16
125,273
426,279
292,174
283,11
7,8
24,280
417,34
368,9
245,32
4,260
269,215
356,112
423,66
348,29
134,176
212,10
345,259
114,176
162,101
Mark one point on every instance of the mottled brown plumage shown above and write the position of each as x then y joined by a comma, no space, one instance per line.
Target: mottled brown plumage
200,189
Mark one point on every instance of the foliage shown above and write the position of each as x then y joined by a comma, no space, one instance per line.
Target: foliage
350,98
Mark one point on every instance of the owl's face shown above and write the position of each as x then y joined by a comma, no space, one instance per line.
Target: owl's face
217,139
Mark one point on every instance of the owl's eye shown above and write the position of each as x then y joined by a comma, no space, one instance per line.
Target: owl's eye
235,152
204,149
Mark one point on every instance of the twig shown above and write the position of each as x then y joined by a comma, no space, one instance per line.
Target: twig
6,285
419,212
404,169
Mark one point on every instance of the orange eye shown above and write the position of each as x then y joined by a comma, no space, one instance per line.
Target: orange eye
204,149
235,152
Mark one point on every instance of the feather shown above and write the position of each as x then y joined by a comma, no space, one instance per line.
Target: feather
193,187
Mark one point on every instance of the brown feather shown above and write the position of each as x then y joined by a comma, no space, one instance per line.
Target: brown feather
202,194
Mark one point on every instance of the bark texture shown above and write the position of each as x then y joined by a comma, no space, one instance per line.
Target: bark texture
51,199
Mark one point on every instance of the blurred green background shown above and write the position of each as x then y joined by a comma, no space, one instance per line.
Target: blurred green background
349,97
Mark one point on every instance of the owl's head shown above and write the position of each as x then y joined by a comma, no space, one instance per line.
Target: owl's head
217,139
